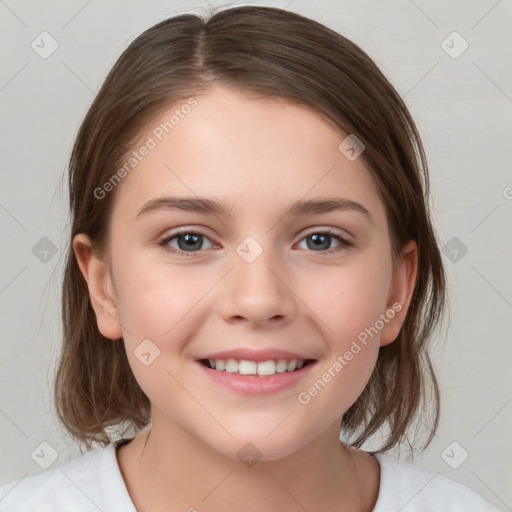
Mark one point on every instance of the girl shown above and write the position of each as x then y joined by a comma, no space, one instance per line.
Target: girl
251,266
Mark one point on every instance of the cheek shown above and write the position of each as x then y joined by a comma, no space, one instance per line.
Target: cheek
153,298
350,298
349,305
160,308
155,306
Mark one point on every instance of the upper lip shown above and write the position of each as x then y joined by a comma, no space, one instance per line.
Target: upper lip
255,355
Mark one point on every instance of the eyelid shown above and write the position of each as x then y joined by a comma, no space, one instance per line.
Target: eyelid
199,231
342,233
167,237
344,242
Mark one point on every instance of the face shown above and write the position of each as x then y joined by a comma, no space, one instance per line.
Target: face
181,284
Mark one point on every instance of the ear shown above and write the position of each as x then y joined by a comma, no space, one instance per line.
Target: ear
402,288
101,289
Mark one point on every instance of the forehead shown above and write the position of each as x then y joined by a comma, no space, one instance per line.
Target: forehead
257,154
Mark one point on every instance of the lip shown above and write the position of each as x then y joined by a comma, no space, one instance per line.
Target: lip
255,355
257,384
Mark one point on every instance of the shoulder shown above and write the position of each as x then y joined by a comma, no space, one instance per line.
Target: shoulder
410,488
75,485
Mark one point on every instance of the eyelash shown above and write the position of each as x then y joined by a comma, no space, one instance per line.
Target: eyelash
188,254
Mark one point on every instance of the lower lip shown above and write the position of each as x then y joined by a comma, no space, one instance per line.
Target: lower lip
256,384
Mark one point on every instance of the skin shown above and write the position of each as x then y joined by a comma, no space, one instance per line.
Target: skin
259,155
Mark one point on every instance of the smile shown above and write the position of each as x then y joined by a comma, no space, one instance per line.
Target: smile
262,368
252,378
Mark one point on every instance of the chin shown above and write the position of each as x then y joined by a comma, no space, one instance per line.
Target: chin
259,446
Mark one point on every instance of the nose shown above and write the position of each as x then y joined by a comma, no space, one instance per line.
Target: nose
257,293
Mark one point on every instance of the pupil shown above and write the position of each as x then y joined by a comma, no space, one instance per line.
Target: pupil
191,242
318,243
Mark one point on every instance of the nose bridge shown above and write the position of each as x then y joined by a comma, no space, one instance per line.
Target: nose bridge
255,289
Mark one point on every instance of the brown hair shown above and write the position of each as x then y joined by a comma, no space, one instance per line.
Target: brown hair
272,53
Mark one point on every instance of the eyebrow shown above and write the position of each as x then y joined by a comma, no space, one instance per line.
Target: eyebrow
223,209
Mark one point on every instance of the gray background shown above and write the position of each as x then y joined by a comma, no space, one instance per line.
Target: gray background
463,106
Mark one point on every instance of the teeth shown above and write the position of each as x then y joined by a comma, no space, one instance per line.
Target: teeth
266,368
231,366
247,368
291,365
281,366
244,367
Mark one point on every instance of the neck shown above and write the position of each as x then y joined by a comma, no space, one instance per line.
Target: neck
164,466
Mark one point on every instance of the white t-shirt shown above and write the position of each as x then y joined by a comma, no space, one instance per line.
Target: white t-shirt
93,482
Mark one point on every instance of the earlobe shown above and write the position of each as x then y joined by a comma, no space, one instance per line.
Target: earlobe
402,289
101,290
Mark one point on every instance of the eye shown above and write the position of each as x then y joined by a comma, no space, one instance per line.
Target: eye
188,243
322,240
191,242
